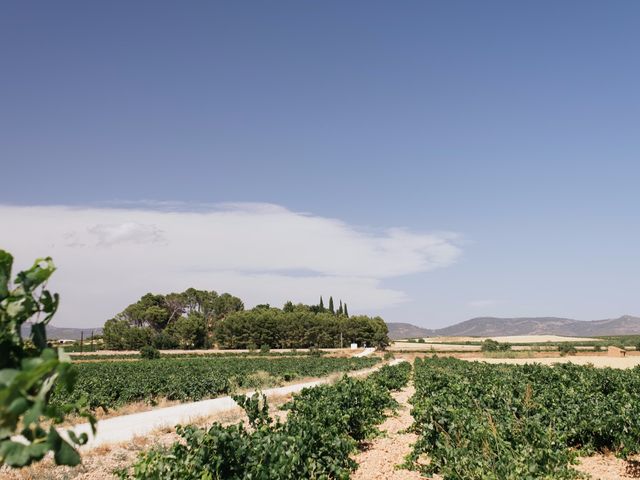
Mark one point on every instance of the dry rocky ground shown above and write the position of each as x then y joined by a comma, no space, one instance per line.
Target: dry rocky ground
608,467
381,459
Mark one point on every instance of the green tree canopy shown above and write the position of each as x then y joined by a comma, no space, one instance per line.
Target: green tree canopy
169,321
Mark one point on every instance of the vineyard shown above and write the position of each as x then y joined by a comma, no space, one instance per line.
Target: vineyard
480,421
324,427
113,384
198,354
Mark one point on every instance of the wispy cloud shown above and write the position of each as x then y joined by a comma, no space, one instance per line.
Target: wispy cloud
128,232
108,257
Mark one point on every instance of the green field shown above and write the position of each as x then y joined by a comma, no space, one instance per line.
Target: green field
113,384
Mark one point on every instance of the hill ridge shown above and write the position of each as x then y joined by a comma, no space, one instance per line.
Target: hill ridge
504,326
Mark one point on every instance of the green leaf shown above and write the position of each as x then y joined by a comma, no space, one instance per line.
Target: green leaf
67,455
18,406
37,274
33,415
39,335
49,302
7,375
6,261
14,454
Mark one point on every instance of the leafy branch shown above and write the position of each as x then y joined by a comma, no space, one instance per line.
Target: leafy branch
30,369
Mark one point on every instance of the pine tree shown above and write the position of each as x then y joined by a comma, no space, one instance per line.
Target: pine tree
331,305
346,312
321,304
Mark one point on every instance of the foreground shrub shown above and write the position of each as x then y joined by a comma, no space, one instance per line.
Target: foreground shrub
149,353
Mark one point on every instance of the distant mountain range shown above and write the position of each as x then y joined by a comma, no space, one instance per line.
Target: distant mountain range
492,326
58,333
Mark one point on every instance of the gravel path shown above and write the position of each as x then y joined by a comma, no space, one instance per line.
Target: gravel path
379,461
365,353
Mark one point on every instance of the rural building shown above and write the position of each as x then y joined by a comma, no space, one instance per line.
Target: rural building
616,352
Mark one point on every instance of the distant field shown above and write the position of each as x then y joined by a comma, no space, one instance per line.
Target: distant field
596,361
513,339
473,344
436,347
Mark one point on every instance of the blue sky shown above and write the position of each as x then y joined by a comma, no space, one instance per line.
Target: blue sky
508,129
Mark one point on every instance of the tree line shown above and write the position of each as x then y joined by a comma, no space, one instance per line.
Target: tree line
196,319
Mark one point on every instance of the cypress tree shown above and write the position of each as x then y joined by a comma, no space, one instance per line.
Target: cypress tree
340,311
346,312
321,306
331,305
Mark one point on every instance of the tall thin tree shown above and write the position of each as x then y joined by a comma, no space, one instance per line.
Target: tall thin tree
331,305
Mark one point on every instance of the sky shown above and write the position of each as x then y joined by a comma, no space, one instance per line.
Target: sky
427,161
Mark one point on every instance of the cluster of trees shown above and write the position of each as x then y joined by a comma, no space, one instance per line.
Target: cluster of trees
299,327
202,319
177,320
490,345
341,310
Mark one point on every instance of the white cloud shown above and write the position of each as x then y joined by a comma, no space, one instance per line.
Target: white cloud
109,257
482,303
128,232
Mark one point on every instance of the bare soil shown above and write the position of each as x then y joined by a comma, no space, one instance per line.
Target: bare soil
608,467
381,459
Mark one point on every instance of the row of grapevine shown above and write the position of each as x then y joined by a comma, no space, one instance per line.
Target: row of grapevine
481,421
198,354
323,428
113,384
